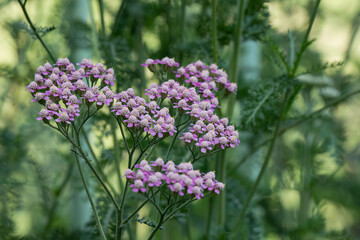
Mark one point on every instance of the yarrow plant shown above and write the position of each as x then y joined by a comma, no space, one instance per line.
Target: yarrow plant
181,179
182,105
61,87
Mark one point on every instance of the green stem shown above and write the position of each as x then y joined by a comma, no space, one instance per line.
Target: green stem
178,208
122,134
234,62
162,215
315,113
237,39
134,212
263,168
304,43
83,155
182,28
57,194
90,199
258,180
101,10
209,218
230,106
35,30
118,230
213,29
171,146
97,162
116,154
117,18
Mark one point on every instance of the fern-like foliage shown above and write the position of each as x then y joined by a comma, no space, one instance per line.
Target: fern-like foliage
146,221
260,110
256,22
42,31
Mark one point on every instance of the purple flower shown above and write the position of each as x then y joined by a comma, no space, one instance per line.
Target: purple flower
204,145
209,185
89,96
101,100
196,191
44,115
75,76
177,187
159,162
32,86
138,185
180,179
62,62
132,121
148,62
80,85
86,63
109,79
153,180
219,187
231,87
39,96
63,117
181,72
73,110
189,137
157,130
129,173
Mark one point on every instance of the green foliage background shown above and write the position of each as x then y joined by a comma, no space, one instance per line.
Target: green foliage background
310,189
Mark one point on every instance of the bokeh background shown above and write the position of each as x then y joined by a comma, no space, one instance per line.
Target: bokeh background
311,189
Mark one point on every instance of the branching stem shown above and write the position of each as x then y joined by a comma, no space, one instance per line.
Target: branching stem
33,28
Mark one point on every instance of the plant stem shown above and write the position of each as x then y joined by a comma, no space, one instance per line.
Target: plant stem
171,146
230,105
116,154
22,5
213,29
135,211
57,194
182,28
304,43
122,134
83,155
117,18
90,200
209,218
264,165
157,226
101,10
100,171
178,208
237,39
258,180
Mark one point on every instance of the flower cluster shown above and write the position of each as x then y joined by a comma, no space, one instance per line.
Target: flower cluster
199,100
181,179
213,133
145,116
60,88
165,63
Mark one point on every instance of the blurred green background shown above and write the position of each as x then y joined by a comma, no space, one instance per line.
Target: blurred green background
311,189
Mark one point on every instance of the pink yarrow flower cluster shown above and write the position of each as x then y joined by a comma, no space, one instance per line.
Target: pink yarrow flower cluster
61,87
165,63
181,179
147,117
197,98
